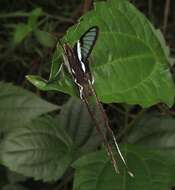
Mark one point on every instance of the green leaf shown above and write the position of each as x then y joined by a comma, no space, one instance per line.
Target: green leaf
34,15
19,106
153,170
41,150
154,130
130,62
21,32
65,84
56,63
45,38
75,119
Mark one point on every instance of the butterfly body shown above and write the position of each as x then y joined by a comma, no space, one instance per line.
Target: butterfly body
78,71
76,61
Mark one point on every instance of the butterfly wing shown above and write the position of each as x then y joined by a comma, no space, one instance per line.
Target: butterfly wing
86,43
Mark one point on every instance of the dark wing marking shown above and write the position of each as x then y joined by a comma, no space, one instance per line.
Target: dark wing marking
86,43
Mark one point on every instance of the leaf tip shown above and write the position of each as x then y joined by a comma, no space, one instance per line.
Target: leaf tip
37,81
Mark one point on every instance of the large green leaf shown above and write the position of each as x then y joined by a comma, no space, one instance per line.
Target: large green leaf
41,150
75,119
130,59
154,130
19,106
153,170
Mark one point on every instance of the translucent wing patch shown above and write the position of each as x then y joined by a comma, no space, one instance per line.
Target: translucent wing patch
86,43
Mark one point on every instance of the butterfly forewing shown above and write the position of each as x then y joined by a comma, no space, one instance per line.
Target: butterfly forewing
86,43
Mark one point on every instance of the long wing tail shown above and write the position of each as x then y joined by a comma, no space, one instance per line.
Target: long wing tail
103,135
109,130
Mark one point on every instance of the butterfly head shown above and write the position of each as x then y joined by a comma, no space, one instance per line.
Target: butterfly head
68,50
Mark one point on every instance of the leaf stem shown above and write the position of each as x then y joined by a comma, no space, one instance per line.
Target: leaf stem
27,14
166,14
129,126
87,5
65,180
14,14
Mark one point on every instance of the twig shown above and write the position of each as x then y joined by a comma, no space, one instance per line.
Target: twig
119,110
27,14
87,5
150,6
14,14
65,180
131,124
166,14
60,18
165,110
126,118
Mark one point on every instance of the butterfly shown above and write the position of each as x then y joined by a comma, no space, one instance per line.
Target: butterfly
77,64
76,60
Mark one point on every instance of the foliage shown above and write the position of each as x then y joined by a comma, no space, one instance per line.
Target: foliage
23,30
79,126
19,106
41,150
42,143
154,130
152,170
125,48
39,143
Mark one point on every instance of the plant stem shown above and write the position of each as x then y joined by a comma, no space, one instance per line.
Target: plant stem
166,14
14,14
27,14
150,7
129,126
87,5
